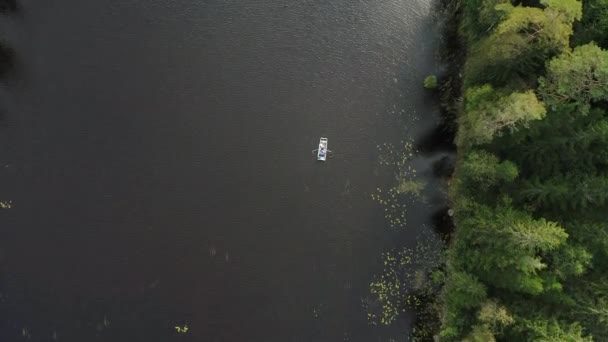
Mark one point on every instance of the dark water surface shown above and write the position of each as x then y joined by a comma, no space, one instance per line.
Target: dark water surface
158,156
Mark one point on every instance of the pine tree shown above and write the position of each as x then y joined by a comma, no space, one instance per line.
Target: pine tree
550,330
569,148
504,247
572,191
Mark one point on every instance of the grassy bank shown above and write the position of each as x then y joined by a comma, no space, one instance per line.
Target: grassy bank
528,258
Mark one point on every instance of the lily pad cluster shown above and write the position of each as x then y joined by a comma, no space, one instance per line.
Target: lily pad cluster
6,204
395,199
394,206
181,329
407,275
398,156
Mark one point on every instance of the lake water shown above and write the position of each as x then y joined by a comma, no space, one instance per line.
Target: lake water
158,158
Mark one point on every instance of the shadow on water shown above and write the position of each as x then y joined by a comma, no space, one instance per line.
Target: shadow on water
439,143
7,68
444,167
442,221
8,6
7,59
440,139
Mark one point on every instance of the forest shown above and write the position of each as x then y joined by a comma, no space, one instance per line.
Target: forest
528,259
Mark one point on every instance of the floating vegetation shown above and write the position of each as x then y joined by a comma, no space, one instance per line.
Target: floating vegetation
394,206
181,329
398,156
26,333
395,199
430,82
410,186
347,188
316,311
103,324
407,276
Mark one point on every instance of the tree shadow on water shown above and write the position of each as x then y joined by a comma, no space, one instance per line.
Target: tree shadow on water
7,68
7,6
7,59
442,220
441,138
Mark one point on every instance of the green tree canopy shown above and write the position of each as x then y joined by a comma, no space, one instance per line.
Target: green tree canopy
488,113
494,315
482,170
551,330
480,17
579,77
467,291
504,246
522,42
560,193
571,147
594,24
480,333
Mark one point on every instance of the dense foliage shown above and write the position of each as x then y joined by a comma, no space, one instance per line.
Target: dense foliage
528,260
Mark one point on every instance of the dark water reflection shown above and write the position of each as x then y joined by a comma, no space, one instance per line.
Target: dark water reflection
158,154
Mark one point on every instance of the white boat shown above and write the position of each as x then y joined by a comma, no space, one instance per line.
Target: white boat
322,152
